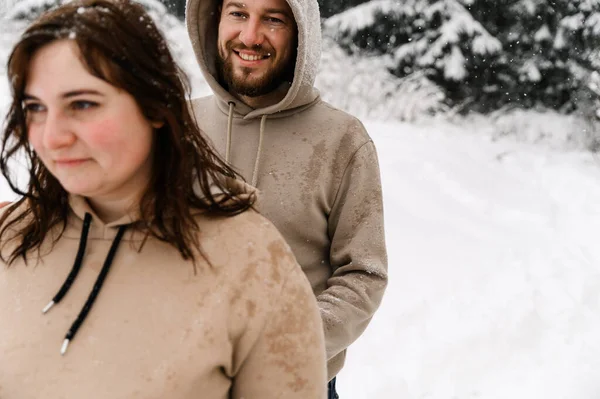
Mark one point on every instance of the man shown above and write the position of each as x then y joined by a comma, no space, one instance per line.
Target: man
315,166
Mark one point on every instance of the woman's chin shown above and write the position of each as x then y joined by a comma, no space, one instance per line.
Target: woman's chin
78,189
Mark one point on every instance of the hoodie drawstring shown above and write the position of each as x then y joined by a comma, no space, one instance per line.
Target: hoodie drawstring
263,121
73,274
229,126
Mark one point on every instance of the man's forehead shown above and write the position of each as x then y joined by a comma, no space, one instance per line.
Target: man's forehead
263,5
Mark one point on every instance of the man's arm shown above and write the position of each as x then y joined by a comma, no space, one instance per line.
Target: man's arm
358,255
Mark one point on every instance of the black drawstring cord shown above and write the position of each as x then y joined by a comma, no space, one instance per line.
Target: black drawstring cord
87,220
97,285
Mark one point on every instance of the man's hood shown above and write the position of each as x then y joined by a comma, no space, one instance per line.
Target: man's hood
202,23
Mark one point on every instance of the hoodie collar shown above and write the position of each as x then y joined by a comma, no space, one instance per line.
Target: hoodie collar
80,206
98,228
202,19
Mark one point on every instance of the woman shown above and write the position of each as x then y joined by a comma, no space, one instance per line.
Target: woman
162,282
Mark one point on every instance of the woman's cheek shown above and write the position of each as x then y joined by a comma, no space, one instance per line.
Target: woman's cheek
35,138
104,135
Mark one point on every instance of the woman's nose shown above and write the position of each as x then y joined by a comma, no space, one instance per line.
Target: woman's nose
57,131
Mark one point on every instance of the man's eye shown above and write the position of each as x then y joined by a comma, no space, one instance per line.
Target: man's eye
274,20
237,14
83,105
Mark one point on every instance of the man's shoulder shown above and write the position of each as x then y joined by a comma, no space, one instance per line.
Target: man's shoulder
204,109
324,115
202,100
331,111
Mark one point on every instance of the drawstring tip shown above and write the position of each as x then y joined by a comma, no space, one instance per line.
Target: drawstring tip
48,306
65,345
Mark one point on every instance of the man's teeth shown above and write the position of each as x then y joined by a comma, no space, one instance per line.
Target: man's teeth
248,57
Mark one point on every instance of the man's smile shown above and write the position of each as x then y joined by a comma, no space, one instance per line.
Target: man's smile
252,57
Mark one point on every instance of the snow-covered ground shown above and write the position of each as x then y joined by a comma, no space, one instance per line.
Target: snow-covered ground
494,271
494,265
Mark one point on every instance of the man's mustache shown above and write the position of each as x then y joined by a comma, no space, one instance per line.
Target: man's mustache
257,49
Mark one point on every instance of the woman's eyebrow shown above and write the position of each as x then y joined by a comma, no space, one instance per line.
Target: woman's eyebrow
76,93
68,94
29,97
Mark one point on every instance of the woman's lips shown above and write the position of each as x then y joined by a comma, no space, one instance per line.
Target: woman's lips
69,162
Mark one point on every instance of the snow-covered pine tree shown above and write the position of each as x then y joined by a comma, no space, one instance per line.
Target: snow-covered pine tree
368,90
328,8
550,48
439,37
491,52
177,7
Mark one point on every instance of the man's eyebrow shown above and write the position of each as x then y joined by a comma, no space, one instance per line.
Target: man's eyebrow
68,94
278,11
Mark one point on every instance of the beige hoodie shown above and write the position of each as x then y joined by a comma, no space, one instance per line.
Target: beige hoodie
246,326
318,174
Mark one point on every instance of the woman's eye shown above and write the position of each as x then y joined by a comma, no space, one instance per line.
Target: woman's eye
31,108
237,14
83,105
274,20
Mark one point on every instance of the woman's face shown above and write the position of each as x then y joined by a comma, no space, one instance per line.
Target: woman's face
91,136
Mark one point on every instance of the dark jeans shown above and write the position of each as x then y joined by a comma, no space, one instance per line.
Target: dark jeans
331,392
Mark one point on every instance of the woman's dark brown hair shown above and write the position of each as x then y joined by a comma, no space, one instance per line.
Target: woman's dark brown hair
119,43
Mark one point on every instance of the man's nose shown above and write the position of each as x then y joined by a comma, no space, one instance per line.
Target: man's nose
252,33
58,131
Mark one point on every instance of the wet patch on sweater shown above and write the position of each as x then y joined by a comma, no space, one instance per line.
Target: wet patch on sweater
279,253
298,384
235,295
346,149
292,326
250,272
313,171
371,206
286,342
251,308
315,163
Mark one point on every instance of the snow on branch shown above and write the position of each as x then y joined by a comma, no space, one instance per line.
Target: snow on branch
364,15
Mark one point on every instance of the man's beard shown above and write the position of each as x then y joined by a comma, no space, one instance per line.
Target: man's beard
255,87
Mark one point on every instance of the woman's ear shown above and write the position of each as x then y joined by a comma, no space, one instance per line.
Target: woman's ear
157,124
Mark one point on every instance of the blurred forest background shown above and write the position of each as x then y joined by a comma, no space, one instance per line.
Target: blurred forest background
511,63
485,54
